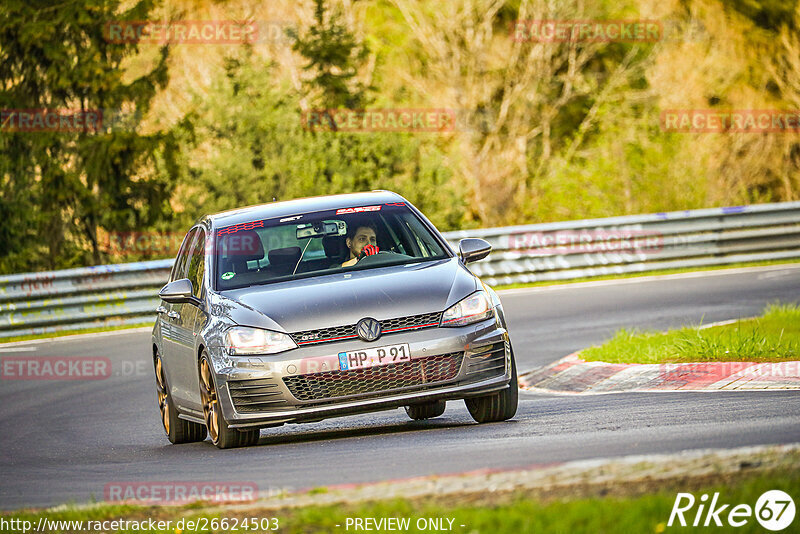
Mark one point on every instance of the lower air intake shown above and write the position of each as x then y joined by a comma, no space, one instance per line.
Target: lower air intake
332,384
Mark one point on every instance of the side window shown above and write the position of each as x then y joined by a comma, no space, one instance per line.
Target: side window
397,241
197,262
423,239
179,268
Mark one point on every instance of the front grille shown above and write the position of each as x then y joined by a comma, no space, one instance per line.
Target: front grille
256,395
411,322
332,384
487,361
388,326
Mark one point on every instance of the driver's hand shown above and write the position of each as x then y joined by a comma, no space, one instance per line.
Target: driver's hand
369,250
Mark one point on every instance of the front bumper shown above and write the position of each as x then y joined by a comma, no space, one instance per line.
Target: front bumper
263,391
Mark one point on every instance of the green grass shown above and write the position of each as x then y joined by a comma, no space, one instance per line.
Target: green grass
775,336
647,273
74,332
518,513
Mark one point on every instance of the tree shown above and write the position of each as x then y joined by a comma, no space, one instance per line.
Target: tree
540,97
244,143
334,56
59,187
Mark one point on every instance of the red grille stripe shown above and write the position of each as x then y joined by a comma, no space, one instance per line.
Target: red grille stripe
325,339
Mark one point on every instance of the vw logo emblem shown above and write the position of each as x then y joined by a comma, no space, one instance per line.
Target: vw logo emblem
368,329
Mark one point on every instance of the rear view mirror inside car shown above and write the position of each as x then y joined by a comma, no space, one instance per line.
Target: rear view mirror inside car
321,229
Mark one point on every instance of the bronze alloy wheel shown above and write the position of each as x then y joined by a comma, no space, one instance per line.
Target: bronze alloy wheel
161,391
223,436
178,430
208,394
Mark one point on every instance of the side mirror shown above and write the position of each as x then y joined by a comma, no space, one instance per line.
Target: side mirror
178,292
472,249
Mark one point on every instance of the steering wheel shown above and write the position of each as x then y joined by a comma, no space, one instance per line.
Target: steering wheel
380,257
370,255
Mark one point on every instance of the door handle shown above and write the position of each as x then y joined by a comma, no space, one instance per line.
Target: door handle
161,309
174,315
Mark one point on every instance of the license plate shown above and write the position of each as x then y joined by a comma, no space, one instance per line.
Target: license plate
374,357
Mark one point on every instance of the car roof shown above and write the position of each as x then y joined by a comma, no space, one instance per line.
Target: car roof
287,208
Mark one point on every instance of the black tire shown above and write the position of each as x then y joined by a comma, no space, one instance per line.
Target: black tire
499,406
177,430
427,410
223,436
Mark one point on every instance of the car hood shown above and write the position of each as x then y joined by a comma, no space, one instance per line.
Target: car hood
345,298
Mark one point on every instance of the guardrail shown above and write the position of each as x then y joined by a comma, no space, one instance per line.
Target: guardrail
73,299
110,295
638,243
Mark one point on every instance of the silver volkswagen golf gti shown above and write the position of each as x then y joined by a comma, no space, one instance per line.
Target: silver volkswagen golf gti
301,310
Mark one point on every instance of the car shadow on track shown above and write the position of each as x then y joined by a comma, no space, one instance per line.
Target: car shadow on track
361,426
275,437
356,431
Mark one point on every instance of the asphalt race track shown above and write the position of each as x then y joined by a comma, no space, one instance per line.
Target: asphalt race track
63,441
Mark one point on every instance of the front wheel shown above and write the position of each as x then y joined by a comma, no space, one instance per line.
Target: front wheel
223,436
178,430
499,406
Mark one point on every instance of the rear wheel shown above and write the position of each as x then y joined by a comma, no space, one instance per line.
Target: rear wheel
221,434
427,410
178,430
498,406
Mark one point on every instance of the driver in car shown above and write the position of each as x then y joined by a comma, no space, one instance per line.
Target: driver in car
362,241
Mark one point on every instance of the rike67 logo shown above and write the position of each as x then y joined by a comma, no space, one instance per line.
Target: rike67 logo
774,510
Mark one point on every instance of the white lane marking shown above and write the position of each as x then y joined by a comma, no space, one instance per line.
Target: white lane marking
774,274
18,349
77,337
642,279
722,323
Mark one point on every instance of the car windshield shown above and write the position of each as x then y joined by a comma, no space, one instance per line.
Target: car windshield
312,244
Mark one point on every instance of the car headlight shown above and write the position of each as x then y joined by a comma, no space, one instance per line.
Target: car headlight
476,307
245,340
